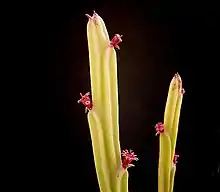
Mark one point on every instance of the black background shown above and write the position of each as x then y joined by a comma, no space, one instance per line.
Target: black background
159,39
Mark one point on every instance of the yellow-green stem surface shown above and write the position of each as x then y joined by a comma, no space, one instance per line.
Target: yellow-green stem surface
103,118
168,138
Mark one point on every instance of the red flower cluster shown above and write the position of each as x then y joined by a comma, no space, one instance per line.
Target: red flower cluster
159,128
115,41
182,91
129,156
86,101
175,159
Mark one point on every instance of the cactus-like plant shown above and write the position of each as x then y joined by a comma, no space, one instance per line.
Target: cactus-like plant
103,109
168,136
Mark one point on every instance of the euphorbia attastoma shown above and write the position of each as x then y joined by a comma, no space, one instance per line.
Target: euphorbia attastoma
168,136
111,163
103,108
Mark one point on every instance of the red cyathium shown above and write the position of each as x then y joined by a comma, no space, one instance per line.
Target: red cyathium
175,159
159,128
182,91
86,101
115,41
128,157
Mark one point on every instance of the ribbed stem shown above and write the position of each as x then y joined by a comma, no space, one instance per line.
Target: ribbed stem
166,140
164,163
172,178
104,115
124,182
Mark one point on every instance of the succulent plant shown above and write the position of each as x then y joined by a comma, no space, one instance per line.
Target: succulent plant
111,162
168,136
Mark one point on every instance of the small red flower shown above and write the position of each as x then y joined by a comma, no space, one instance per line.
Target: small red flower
85,100
175,159
182,91
115,41
129,156
159,128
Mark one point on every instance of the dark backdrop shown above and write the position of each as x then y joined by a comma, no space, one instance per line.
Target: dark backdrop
159,39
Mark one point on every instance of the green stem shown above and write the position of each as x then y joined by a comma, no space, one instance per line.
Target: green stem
99,152
103,70
172,178
124,182
176,124
164,163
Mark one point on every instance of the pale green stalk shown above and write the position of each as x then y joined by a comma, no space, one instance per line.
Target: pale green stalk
175,126
165,156
172,176
174,132
164,163
103,118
